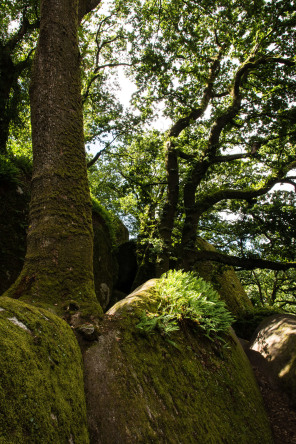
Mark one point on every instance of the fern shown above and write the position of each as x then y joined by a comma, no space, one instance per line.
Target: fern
185,296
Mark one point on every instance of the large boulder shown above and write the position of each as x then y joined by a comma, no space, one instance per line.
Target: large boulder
224,280
14,208
41,378
275,340
184,389
104,262
127,266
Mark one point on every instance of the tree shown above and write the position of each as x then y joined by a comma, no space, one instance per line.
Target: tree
264,229
16,49
225,75
58,263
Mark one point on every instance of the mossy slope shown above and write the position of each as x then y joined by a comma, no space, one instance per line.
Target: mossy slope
145,389
224,280
41,379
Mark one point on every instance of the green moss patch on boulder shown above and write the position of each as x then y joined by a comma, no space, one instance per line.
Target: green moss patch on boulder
275,339
182,389
224,280
41,378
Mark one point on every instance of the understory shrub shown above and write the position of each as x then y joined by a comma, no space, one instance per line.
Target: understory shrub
186,296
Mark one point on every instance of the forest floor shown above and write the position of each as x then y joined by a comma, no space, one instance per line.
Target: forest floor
281,414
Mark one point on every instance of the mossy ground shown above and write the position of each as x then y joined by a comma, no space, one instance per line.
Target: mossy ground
41,378
181,389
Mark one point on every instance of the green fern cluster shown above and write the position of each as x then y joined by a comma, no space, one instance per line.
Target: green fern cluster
185,296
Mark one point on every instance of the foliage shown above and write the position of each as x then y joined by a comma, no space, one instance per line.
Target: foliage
12,167
223,74
18,36
271,288
183,297
129,180
265,228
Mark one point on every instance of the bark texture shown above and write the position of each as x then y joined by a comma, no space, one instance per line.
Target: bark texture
58,264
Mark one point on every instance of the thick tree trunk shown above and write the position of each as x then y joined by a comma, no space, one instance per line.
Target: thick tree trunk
58,263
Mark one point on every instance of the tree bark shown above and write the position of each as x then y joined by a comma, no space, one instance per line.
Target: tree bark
58,264
169,211
8,84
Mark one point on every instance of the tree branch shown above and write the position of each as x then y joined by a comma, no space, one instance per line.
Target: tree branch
95,77
86,6
95,158
99,153
240,78
210,200
243,263
230,157
184,122
26,27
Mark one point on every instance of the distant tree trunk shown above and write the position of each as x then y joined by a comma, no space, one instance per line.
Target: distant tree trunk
6,83
58,264
167,220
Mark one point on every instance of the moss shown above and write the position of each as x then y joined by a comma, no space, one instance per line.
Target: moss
41,378
147,389
224,280
110,220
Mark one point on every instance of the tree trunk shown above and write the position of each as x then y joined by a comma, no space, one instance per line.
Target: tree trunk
58,263
6,83
167,220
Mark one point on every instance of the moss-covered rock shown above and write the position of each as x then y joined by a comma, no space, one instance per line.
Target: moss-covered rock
224,280
104,262
275,339
41,378
14,209
188,389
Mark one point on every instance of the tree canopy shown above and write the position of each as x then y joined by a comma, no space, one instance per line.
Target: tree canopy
221,76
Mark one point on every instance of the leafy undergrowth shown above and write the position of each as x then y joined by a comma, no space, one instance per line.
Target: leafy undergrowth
185,296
